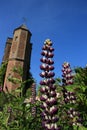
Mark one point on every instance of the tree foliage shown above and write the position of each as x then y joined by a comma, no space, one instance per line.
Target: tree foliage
2,72
81,76
15,107
15,111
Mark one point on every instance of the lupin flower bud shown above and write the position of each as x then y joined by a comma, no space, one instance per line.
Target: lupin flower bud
48,90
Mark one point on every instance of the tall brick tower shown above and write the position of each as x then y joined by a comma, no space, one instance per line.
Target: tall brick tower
18,53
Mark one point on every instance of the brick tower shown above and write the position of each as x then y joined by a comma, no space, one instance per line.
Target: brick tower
18,54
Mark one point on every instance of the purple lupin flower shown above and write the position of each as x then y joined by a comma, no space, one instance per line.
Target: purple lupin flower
48,90
69,97
67,74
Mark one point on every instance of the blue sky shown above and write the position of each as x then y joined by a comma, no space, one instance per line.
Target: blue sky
63,21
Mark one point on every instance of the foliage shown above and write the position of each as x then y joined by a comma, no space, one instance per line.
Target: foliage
16,113
80,80
2,72
15,109
81,76
24,85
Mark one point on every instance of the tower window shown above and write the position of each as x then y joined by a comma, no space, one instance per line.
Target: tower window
16,37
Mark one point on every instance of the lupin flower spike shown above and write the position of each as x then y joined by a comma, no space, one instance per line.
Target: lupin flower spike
48,90
69,97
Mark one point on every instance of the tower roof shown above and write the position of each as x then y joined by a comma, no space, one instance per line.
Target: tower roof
23,27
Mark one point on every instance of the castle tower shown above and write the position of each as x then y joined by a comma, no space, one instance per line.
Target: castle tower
20,54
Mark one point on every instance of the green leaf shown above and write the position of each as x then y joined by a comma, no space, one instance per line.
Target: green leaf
82,128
